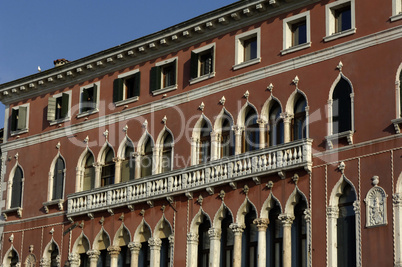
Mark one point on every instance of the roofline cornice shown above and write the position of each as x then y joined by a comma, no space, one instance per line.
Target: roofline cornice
185,34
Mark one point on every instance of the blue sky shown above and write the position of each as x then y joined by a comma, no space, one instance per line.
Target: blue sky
35,32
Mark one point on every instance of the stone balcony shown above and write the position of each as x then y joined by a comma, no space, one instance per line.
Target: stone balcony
277,159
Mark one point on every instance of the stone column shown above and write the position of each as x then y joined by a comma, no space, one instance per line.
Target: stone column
78,180
194,151
114,252
238,131
214,145
287,119
287,221
137,169
263,133
135,251
98,173
215,247
74,259
238,232
93,257
171,251
332,215
262,225
155,160
117,169
397,203
192,249
155,245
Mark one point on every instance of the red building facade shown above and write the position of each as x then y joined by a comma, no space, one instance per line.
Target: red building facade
265,133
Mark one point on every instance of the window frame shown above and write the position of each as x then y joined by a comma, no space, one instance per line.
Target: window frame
124,76
94,110
330,20
288,23
396,10
197,53
240,62
156,86
68,115
26,128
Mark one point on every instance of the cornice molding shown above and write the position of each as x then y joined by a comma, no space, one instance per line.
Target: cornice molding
213,88
146,48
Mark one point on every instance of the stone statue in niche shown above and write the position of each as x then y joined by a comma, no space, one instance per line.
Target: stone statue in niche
376,205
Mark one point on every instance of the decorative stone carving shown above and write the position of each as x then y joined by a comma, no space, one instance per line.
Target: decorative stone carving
44,262
286,219
262,223
192,238
214,234
376,207
133,246
30,261
93,254
332,212
114,250
74,259
397,199
270,185
237,228
270,87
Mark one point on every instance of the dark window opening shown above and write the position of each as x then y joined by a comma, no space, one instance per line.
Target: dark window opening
227,139
343,19
299,119
128,164
89,173
341,107
89,99
250,48
58,179
250,234
167,153
227,241
205,143
16,190
146,159
203,243
299,33
108,169
251,135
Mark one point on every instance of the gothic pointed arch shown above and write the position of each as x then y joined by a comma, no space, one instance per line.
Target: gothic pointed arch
163,233
81,244
297,110
15,187
126,159
122,236
163,228
244,209
106,161
165,150
222,243
51,254
145,149
141,238
201,143
272,115
101,244
247,122
57,175
268,205
11,258
398,100
85,177
30,260
225,137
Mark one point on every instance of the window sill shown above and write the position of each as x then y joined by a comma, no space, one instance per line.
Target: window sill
247,63
295,48
202,78
164,90
396,123
396,17
87,113
58,202
59,121
126,101
13,133
347,134
339,35
17,210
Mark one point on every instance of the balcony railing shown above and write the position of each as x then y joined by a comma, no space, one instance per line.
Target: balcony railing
283,157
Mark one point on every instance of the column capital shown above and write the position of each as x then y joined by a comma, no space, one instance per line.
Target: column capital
192,238
93,254
44,262
134,246
171,240
237,228
262,223
74,259
155,242
118,160
332,212
214,234
286,219
397,199
114,250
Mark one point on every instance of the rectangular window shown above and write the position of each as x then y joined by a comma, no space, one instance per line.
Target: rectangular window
127,87
202,63
247,48
343,18
19,119
164,76
89,98
296,33
58,107
340,19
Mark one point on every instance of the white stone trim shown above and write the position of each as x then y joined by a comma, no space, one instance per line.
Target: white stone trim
239,49
330,20
51,175
167,61
396,10
287,33
128,73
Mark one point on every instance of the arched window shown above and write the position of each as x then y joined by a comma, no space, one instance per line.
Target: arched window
165,253
89,173
299,118
81,248
16,191
205,143
54,259
58,179
346,228
108,168
128,164
251,135
124,258
227,138
250,238
227,241
146,158
274,238
167,153
341,107
203,243
299,237
276,129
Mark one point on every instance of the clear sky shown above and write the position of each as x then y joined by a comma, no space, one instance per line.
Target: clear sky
35,32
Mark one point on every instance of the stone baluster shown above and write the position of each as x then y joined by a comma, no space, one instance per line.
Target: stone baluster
135,252
238,232
262,225
287,221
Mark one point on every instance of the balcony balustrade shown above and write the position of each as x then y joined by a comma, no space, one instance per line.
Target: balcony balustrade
254,164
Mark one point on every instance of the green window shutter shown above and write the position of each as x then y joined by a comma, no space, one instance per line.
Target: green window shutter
194,65
22,118
174,71
155,82
118,86
51,108
137,84
95,97
64,104
14,119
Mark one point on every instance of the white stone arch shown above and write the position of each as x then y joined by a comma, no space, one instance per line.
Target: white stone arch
158,149
47,253
243,210
217,132
269,125
224,113
102,240
266,107
122,147
143,232
193,237
290,107
398,92
51,175
349,135
30,260
196,136
141,151
242,113
101,154
332,216
293,200
10,186
79,180
81,244
220,215
397,206
163,229
9,255
122,236
269,203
